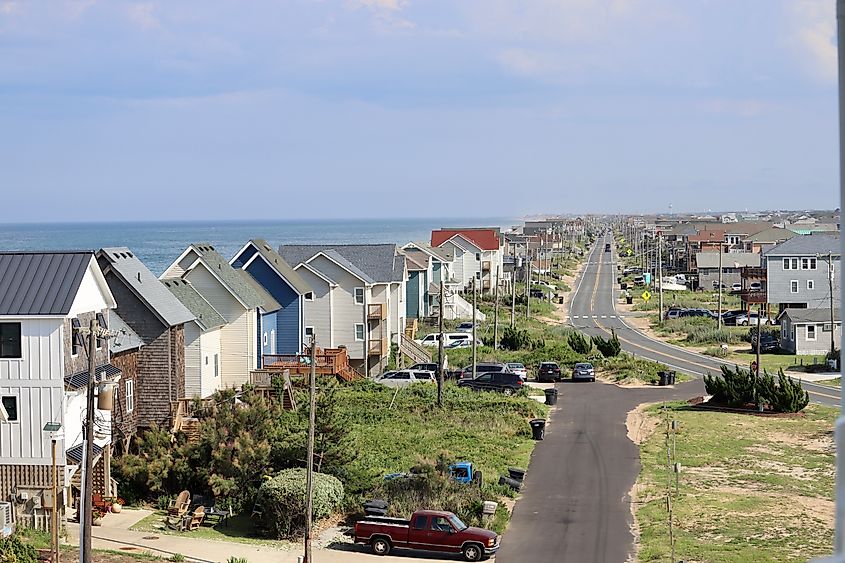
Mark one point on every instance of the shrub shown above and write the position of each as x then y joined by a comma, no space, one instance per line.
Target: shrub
609,347
515,339
717,352
15,550
711,335
734,388
783,394
579,343
282,501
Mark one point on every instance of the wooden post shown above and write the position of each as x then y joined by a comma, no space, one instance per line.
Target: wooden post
309,472
85,500
474,316
832,316
496,312
440,374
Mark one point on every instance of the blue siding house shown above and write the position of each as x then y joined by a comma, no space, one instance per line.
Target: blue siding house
282,332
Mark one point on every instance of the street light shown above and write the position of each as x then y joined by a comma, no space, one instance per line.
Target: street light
53,428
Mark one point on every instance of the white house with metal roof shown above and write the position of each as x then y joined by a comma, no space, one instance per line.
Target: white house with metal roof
238,301
361,293
45,297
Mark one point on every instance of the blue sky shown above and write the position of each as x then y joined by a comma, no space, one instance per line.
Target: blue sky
367,108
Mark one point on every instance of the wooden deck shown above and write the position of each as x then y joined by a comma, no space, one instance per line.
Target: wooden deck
330,361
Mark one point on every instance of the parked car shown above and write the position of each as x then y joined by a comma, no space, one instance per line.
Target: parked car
768,343
673,314
750,319
405,377
449,338
736,287
429,530
465,343
631,271
548,371
537,294
429,366
504,382
639,280
482,367
729,317
519,369
464,327
583,370
755,286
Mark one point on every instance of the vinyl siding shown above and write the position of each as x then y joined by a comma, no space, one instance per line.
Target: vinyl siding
346,313
193,361
237,345
209,346
287,320
778,283
317,313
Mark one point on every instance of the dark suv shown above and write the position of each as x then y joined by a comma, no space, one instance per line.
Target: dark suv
549,371
502,381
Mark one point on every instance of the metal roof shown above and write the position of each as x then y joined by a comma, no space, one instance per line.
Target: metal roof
144,284
74,453
807,245
126,339
281,266
41,283
205,314
80,379
374,263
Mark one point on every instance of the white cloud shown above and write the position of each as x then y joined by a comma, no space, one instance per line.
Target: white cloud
143,15
814,36
8,7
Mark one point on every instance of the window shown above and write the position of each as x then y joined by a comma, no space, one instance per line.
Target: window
264,339
359,331
786,263
440,524
793,263
793,286
130,395
309,296
309,332
420,522
75,337
485,378
101,323
805,263
811,284
812,263
10,408
216,365
811,332
359,295
402,375
10,340
478,257
206,360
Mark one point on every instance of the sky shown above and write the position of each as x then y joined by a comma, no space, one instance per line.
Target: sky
308,109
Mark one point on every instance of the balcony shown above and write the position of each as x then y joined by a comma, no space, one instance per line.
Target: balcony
378,347
376,311
753,296
751,273
485,266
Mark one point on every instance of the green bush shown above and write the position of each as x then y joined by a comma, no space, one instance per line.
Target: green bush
717,352
15,550
740,388
734,388
783,394
515,339
579,343
282,501
711,335
609,347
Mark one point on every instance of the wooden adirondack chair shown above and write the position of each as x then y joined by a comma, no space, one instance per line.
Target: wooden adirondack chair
179,506
196,518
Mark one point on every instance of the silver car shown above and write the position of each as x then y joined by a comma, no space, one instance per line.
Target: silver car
583,370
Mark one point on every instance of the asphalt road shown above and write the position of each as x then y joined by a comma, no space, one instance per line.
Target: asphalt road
593,311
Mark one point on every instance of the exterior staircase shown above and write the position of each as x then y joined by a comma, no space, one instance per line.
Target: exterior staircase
418,353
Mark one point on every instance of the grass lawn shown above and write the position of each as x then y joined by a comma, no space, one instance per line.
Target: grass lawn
752,489
238,529
773,362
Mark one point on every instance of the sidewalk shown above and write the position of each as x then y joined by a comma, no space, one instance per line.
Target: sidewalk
115,534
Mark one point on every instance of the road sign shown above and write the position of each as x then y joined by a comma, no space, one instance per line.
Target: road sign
646,295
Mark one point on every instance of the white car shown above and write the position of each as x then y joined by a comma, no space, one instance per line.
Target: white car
745,319
405,377
519,369
736,287
449,339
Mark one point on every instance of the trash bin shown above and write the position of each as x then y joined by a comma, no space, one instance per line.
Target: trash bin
623,285
516,473
671,378
629,299
551,396
538,428
663,378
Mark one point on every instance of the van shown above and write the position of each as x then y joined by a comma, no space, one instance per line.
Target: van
449,339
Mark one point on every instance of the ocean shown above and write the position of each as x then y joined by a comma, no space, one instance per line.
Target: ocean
158,244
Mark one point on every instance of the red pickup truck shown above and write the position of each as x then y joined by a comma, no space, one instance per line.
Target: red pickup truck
429,530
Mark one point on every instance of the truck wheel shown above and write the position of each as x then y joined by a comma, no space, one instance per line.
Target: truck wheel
380,546
473,552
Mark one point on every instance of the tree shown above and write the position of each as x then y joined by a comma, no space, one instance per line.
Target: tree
282,501
579,343
609,347
784,394
515,339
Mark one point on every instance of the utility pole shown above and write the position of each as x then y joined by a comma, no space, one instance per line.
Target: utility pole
309,473
528,289
474,310
660,274
513,296
496,312
757,364
440,374
830,286
720,287
85,501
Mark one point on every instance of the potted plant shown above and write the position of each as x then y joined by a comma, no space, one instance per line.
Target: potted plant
117,505
97,517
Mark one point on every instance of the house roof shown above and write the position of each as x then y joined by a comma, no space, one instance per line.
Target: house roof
485,239
772,234
799,316
144,284
729,259
745,227
807,245
268,303
281,266
74,453
79,379
41,283
237,285
417,259
374,263
206,315
441,254
126,339
708,235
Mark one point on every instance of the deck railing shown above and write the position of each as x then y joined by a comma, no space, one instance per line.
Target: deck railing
376,311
